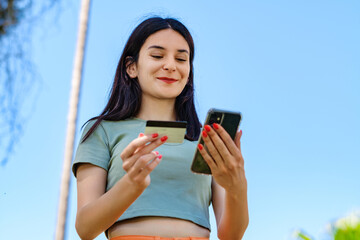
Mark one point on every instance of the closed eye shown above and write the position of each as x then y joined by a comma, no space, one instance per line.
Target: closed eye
156,56
181,59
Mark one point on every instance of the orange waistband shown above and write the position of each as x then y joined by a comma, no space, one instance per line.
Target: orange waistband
139,237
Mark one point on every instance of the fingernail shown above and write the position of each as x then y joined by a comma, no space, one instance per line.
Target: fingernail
164,138
207,128
156,152
204,134
200,146
154,135
160,156
216,126
141,135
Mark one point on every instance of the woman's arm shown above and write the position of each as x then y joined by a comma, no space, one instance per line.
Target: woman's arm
97,210
229,182
231,212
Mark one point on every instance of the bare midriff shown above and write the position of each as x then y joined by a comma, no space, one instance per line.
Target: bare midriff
157,226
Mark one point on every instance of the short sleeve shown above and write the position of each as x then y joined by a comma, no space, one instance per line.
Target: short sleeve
94,150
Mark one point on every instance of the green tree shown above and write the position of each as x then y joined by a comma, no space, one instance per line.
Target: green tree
346,228
18,78
19,81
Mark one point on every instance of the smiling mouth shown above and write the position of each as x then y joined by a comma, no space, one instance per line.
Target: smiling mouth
167,80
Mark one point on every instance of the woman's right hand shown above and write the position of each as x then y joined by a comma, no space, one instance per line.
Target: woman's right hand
98,209
139,159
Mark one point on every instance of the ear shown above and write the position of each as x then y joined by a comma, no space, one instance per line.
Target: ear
131,68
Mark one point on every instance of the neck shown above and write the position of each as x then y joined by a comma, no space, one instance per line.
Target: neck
157,109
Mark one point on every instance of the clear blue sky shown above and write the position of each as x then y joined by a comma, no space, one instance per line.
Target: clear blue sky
291,67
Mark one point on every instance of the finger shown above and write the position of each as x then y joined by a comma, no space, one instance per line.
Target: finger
212,165
228,141
136,143
213,151
150,147
218,143
129,162
150,167
140,164
139,148
238,144
237,139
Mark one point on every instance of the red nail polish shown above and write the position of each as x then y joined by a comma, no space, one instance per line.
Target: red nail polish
204,134
164,138
141,135
160,156
200,146
156,152
154,135
207,128
216,126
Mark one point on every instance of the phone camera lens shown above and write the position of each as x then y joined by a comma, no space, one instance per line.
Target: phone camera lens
215,118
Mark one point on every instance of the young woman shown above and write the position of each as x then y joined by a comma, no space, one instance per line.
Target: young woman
136,186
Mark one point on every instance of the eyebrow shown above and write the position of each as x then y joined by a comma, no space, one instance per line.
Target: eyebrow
162,48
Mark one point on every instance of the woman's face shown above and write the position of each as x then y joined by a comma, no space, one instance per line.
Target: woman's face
163,65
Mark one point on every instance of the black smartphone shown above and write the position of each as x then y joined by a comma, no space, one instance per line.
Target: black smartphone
229,120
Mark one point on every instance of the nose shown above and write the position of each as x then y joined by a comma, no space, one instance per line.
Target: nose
169,65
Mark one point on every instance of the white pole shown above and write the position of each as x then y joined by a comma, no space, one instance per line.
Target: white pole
72,117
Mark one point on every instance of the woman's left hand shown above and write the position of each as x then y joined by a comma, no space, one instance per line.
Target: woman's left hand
224,158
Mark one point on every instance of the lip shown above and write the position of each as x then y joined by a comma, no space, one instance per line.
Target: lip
167,80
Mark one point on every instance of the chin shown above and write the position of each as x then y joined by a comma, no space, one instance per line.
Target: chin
169,95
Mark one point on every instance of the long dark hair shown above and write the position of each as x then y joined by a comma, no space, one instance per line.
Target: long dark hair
125,95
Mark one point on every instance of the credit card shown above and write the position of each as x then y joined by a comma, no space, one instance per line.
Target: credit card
175,130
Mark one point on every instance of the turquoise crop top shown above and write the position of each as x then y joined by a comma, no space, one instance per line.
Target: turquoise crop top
174,190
